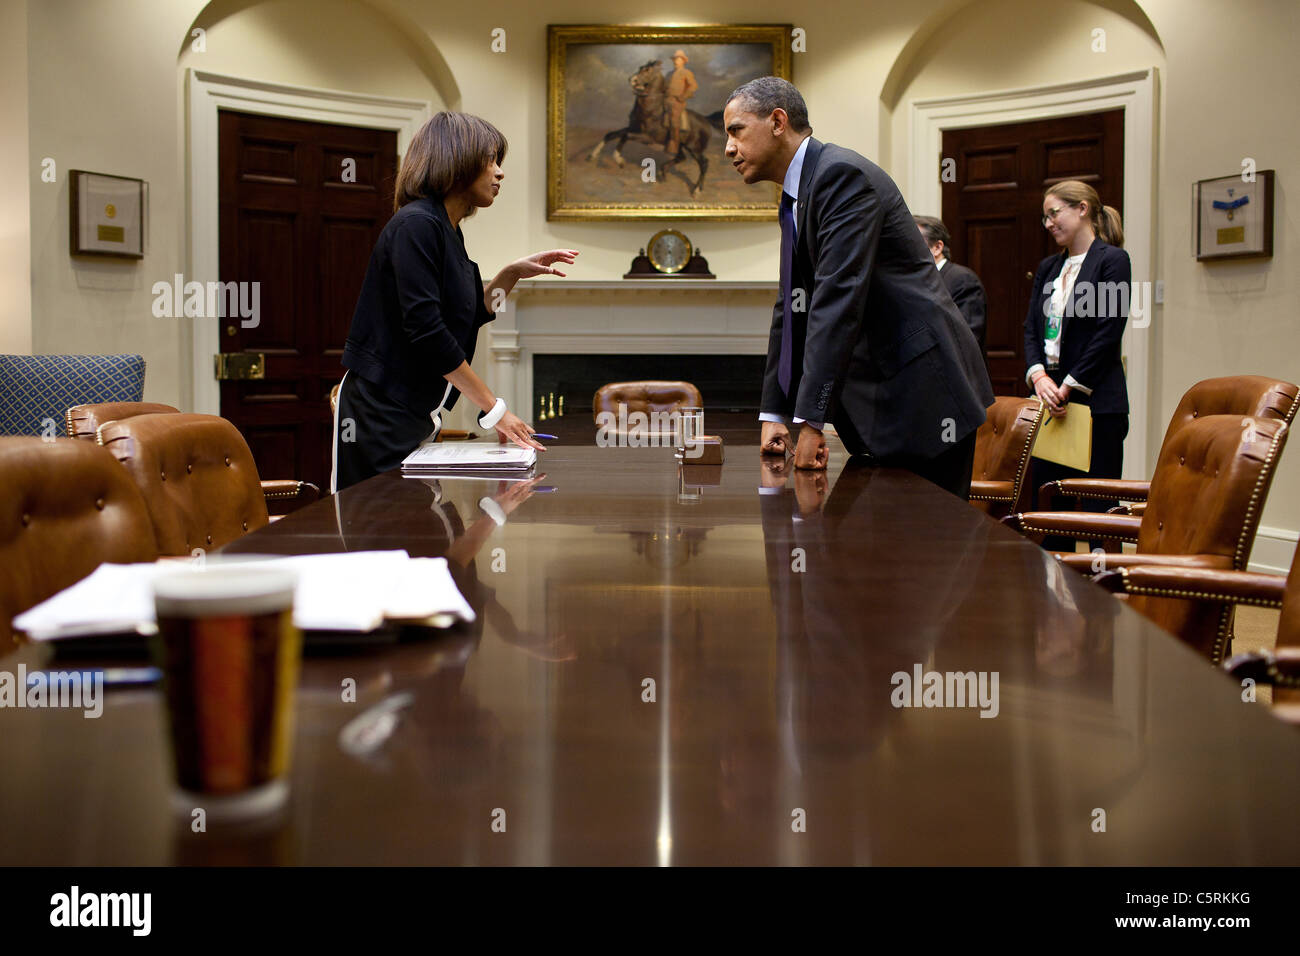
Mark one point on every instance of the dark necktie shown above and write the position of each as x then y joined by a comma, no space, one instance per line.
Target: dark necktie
785,363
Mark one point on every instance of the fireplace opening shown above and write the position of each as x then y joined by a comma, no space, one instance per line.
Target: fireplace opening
565,384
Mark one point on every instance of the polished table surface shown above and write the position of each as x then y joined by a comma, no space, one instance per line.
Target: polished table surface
771,626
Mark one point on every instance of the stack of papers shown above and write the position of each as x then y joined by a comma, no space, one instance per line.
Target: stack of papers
356,591
480,458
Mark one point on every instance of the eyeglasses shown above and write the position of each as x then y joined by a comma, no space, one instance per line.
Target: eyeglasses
1053,213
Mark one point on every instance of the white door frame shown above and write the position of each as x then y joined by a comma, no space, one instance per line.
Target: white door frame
209,92
1136,94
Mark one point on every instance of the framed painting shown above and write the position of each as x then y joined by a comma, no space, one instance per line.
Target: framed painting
109,215
635,120
1234,217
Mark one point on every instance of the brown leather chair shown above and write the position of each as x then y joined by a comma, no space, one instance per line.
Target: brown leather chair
647,397
1204,505
1254,396
1281,667
82,421
1002,446
67,507
196,474
283,495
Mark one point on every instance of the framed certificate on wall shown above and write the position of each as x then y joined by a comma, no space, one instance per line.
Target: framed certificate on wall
1234,217
108,215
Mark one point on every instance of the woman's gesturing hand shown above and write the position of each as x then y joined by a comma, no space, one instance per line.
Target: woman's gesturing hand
540,263
513,428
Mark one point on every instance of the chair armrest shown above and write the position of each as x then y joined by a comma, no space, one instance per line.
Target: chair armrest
1083,563
1196,584
286,495
1076,524
981,490
1095,488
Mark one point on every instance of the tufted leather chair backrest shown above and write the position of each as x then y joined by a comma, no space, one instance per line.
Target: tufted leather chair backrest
1257,396
1206,498
67,507
82,421
1209,487
649,396
1003,443
196,474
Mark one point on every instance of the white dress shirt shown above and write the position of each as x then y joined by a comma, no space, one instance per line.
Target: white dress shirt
791,186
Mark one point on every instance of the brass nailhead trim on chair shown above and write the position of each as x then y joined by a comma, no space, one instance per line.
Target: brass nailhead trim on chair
1127,539
1022,468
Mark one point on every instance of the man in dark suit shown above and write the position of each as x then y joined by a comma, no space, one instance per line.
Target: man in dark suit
962,283
864,334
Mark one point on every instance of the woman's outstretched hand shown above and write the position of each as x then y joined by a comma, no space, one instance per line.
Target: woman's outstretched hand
513,428
540,263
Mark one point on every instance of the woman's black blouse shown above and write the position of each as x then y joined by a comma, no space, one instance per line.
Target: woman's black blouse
420,308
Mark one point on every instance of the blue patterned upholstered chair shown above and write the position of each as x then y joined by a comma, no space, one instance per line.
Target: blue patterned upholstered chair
37,390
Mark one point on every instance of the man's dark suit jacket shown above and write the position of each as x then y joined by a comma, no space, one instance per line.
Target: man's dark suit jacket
1092,328
968,292
881,350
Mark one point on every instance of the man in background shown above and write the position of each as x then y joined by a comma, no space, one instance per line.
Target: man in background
963,284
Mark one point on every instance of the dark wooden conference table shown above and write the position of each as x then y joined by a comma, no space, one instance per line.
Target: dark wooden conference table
771,625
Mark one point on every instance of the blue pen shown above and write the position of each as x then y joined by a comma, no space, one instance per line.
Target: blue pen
551,437
113,676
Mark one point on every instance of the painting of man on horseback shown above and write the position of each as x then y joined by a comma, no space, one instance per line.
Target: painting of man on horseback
636,119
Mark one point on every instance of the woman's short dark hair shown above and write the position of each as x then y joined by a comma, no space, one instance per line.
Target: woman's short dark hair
763,95
934,231
447,154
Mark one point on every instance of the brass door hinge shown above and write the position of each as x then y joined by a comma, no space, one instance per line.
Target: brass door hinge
235,366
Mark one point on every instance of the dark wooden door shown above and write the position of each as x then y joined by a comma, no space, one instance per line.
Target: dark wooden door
994,211
301,220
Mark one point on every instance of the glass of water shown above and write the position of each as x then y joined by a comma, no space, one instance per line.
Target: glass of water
690,426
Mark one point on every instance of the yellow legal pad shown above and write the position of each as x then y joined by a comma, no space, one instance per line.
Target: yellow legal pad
1066,441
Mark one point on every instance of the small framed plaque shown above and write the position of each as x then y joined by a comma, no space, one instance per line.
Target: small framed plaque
1234,217
108,215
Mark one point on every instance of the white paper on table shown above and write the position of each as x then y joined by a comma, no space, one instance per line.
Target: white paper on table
476,456
353,591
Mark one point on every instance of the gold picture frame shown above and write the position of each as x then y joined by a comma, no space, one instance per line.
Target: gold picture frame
606,88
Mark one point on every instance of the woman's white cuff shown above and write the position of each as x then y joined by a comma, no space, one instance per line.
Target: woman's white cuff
490,418
492,510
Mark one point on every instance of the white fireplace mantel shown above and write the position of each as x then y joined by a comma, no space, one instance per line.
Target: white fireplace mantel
625,317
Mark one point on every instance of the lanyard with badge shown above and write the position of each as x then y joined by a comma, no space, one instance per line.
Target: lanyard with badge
1056,312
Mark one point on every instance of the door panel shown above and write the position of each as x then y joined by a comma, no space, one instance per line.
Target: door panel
300,221
994,211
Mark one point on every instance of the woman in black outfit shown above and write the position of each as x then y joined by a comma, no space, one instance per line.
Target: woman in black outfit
422,303
1074,329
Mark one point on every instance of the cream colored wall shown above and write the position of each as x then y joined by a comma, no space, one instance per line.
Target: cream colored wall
1229,94
102,79
104,95
17,179
974,52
